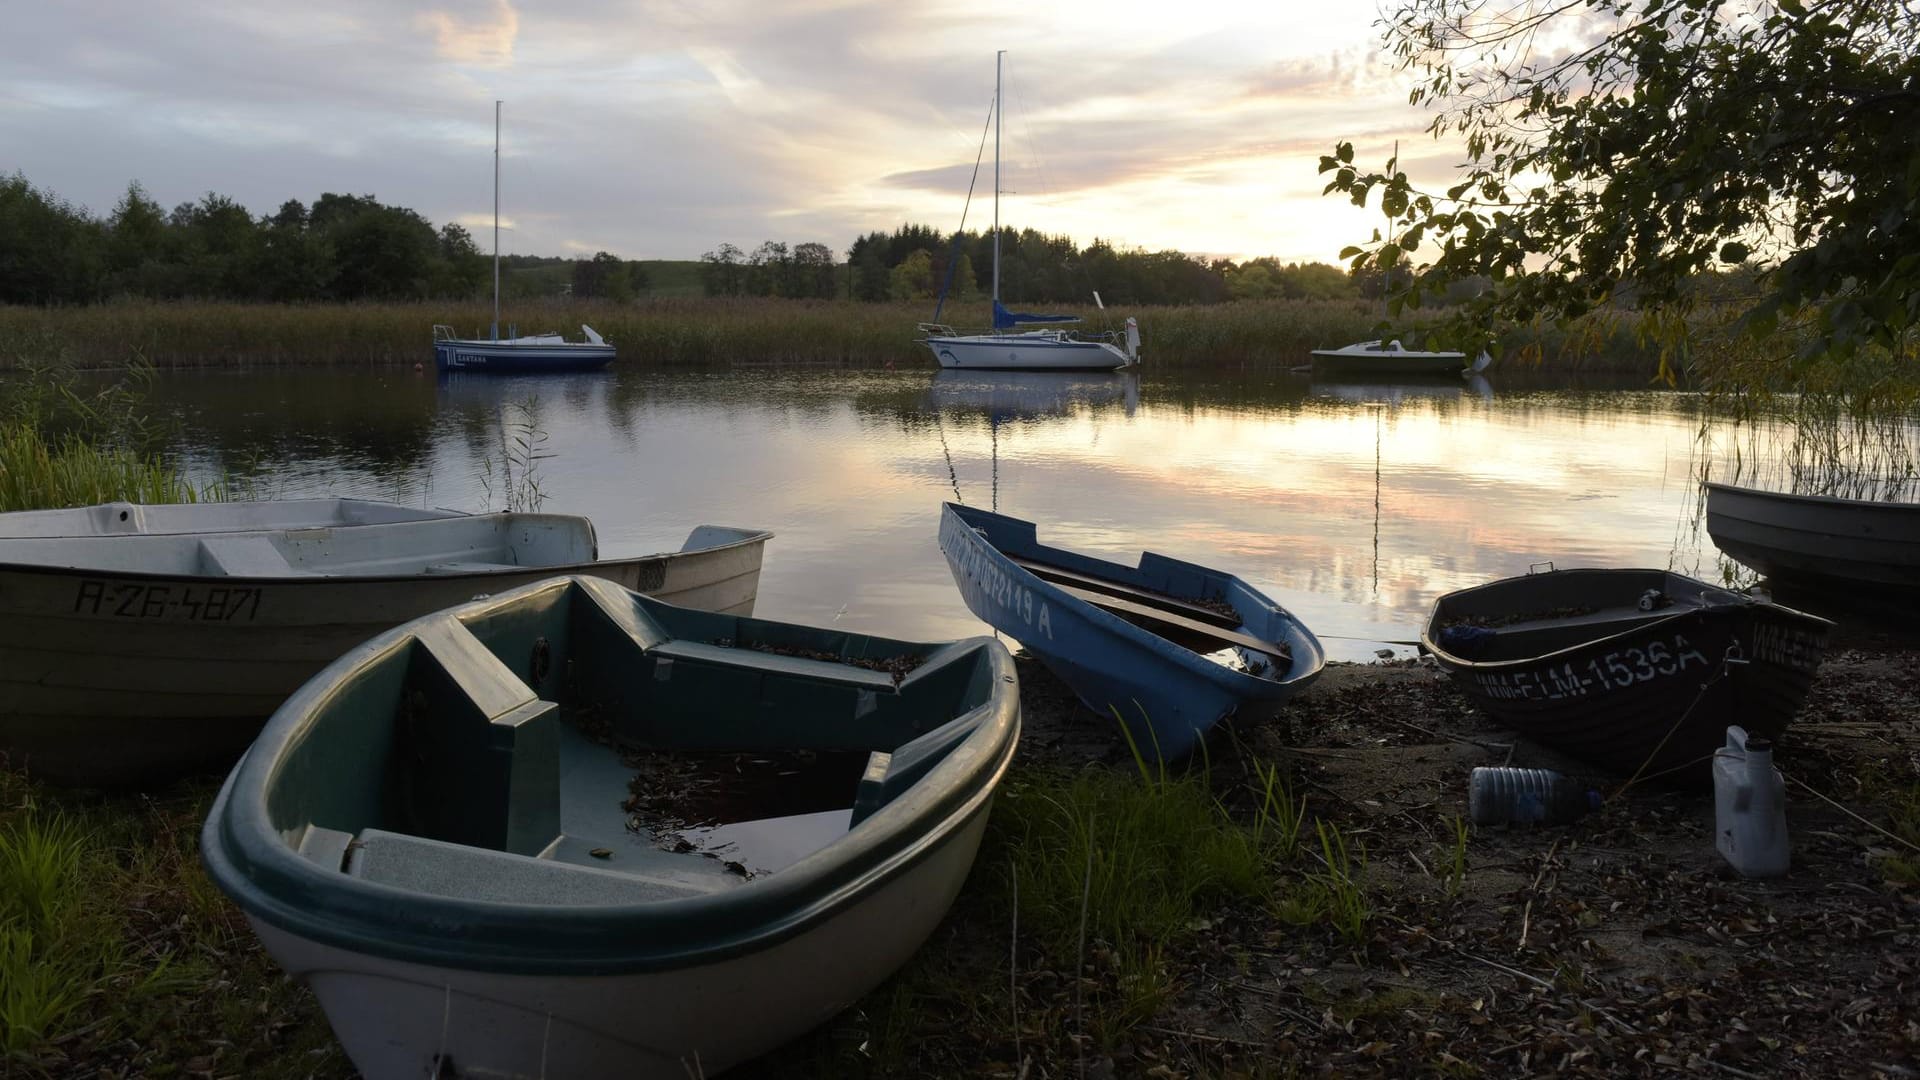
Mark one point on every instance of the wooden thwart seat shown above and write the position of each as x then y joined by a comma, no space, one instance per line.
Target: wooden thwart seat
1130,610
1068,578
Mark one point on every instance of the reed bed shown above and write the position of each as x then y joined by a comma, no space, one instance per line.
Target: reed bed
1847,426
715,332
39,472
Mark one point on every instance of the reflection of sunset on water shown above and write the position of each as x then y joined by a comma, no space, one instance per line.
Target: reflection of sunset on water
1268,476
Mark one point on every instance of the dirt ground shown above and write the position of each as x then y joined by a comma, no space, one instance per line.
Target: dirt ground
1618,945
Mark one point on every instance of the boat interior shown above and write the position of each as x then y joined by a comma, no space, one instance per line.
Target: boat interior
477,543
125,518
511,753
1197,625
1524,617
1204,611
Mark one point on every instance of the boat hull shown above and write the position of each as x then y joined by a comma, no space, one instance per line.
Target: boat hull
1859,546
1024,352
1388,362
1166,696
517,358
117,678
400,1020
1654,697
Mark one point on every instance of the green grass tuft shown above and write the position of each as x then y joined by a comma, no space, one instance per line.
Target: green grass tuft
39,472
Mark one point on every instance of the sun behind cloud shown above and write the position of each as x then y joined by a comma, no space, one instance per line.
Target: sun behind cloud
477,39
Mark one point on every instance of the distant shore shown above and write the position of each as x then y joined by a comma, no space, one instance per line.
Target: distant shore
679,332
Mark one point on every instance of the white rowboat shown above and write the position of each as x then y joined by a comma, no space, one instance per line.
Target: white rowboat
138,655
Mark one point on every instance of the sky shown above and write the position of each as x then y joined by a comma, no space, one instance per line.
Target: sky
660,129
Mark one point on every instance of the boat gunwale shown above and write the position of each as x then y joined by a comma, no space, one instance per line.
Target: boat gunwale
1899,509
1237,683
1455,663
253,862
760,536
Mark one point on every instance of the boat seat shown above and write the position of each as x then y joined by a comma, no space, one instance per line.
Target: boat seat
482,751
244,556
888,775
467,567
328,847
774,664
436,867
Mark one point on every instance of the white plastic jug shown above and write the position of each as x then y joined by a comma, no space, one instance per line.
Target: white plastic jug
1749,806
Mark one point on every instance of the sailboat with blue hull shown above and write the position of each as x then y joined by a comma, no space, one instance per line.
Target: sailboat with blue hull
1006,347
516,354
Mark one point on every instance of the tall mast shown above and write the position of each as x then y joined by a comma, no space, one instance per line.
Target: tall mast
998,57
496,219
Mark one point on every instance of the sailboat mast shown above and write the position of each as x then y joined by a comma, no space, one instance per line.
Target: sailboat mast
998,58
496,219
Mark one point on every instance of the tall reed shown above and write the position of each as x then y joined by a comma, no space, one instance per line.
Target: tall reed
709,332
1847,426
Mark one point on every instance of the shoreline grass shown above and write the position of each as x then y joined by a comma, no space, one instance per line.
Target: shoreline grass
113,940
720,332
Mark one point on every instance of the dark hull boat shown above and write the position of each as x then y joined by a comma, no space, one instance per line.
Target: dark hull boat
1858,545
1633,670
479,837
1169,647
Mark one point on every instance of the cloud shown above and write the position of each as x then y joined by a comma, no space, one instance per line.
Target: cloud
483,39
666,127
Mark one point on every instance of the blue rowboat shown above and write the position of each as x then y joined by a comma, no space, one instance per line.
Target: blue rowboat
569,831
1169,647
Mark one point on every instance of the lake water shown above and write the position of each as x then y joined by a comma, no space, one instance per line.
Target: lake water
1355,505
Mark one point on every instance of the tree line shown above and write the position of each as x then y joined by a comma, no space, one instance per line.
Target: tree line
354,247
918,262
342,247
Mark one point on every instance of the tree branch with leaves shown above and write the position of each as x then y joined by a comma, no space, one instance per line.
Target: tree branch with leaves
1618,152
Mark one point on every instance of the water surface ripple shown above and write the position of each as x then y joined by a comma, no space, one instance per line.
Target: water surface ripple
1355,504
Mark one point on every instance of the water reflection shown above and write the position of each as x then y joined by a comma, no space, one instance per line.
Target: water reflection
365,433
1450,389
1355,504
1030,395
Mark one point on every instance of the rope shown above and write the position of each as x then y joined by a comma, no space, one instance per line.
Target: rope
1729,658
1893,836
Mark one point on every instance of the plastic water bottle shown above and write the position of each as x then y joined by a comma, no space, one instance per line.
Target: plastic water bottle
1749,806
1505,795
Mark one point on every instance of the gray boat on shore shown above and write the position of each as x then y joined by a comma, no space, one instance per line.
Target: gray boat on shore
130,656
1857,545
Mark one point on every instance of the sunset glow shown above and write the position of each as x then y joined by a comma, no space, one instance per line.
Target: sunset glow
662,131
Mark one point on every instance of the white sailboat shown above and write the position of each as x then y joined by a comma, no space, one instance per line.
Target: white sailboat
1390,357
1006,348
533,352
1393,358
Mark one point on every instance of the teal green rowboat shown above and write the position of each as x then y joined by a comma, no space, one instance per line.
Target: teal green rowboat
442,832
